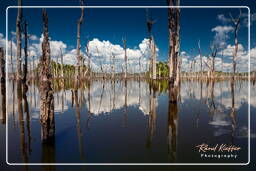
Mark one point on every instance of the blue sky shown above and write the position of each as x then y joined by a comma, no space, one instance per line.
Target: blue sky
114,24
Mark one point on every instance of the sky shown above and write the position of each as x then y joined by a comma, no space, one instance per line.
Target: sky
105,29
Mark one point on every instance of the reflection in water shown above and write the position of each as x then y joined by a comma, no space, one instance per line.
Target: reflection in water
48,154
102,103
152,115
172,122
233,110
78,125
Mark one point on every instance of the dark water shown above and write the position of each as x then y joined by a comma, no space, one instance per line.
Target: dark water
131,122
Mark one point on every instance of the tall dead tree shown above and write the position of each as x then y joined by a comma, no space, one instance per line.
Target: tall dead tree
152,46
78,47
25,66
11,54
89,56
236,22
45,83
201,58
18,60
213,55
3,88
125,57
61,58
18,40
34,67
174,40
113,65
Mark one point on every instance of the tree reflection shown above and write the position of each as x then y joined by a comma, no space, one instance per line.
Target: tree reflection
152,115
233,109
172,122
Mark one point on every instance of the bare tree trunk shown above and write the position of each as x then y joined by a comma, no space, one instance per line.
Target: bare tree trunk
174,28
18,39
214,53
3,87
78,48
12,60
236,23
46,90
171,25
177,43
113,66
125,58
62,70
152,46
178,72
201,58
140,66
153,57
25,66
89,58
18,59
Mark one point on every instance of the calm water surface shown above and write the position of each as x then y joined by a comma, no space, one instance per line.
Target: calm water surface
117,121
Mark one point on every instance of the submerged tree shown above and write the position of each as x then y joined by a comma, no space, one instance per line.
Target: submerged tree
18,61
236,23
18,39
125,57
25,65
201,58
78,47
174,40
3,88
213,56
174,46
11,54
46,90
152,46
113,66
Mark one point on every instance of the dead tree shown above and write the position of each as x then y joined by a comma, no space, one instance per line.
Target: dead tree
78,47
88,55
89,59
152,46
201,58
34,67
125,57
174,41
46,90
3,88
25,66
113,65
213,55
11,54
61,58
222,61
236,23
18,60
18,39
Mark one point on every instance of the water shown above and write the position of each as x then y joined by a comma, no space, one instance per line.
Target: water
131,122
